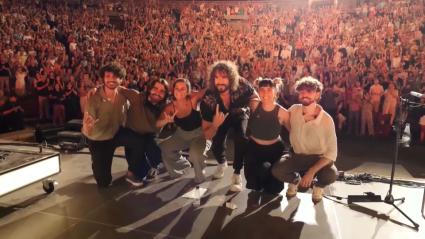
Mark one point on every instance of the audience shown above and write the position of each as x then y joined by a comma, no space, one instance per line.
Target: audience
367,56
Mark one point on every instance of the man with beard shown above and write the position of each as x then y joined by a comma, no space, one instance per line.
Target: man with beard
102,125
225,106
142,114
312,136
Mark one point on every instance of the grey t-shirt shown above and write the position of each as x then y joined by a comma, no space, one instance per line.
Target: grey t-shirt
111,115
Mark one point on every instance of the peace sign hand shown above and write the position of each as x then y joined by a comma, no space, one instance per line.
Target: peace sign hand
88,123
219,117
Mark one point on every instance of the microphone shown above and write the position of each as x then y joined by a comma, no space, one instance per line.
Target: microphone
417,94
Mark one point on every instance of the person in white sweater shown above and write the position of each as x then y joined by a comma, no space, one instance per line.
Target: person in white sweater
313,139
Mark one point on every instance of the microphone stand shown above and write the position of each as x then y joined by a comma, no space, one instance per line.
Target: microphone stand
389,198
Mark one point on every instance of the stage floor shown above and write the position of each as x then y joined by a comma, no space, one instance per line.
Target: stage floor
77,209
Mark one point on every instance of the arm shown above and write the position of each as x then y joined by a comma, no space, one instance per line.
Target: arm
197,96
128,94
284,117
89,118
253,104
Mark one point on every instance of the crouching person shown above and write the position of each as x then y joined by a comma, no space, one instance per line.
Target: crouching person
312,136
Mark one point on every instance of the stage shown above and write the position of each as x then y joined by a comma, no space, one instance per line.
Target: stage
77,209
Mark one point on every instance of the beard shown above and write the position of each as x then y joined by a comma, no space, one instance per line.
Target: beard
306,101
155,98
221,88
111,85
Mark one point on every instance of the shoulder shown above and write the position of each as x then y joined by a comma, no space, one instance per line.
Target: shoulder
131,92
294,108
282,112
327,119
281,108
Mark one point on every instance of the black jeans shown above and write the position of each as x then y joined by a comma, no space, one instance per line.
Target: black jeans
102,153
258,164
145,158
218,147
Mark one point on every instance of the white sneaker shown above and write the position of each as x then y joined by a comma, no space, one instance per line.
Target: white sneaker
317,194
292,190
236,183
219,172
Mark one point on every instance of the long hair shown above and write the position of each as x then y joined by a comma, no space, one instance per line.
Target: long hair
229,69
162,82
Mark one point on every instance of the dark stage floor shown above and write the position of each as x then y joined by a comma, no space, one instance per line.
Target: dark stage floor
77,209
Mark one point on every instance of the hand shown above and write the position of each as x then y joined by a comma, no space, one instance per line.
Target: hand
88,123
169,118
219,117
306,180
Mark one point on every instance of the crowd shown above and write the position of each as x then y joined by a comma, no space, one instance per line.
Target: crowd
366,57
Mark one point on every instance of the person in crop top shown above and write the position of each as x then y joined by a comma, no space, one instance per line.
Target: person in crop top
182,111
265,146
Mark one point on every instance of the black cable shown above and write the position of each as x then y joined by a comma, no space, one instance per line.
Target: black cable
334,196
358,179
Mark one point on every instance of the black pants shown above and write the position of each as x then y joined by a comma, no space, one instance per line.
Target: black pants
102,153
218,147
258,164
148,157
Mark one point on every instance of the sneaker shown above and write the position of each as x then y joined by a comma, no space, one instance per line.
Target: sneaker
219,172
317,194
133,180
236,183
152,174
292,190
208,144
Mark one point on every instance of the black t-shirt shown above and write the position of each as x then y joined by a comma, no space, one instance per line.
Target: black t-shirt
4,70
44,91
238,99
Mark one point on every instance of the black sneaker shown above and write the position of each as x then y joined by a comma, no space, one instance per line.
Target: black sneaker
152,174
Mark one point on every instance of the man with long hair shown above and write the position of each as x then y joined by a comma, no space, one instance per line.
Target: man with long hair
225,106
